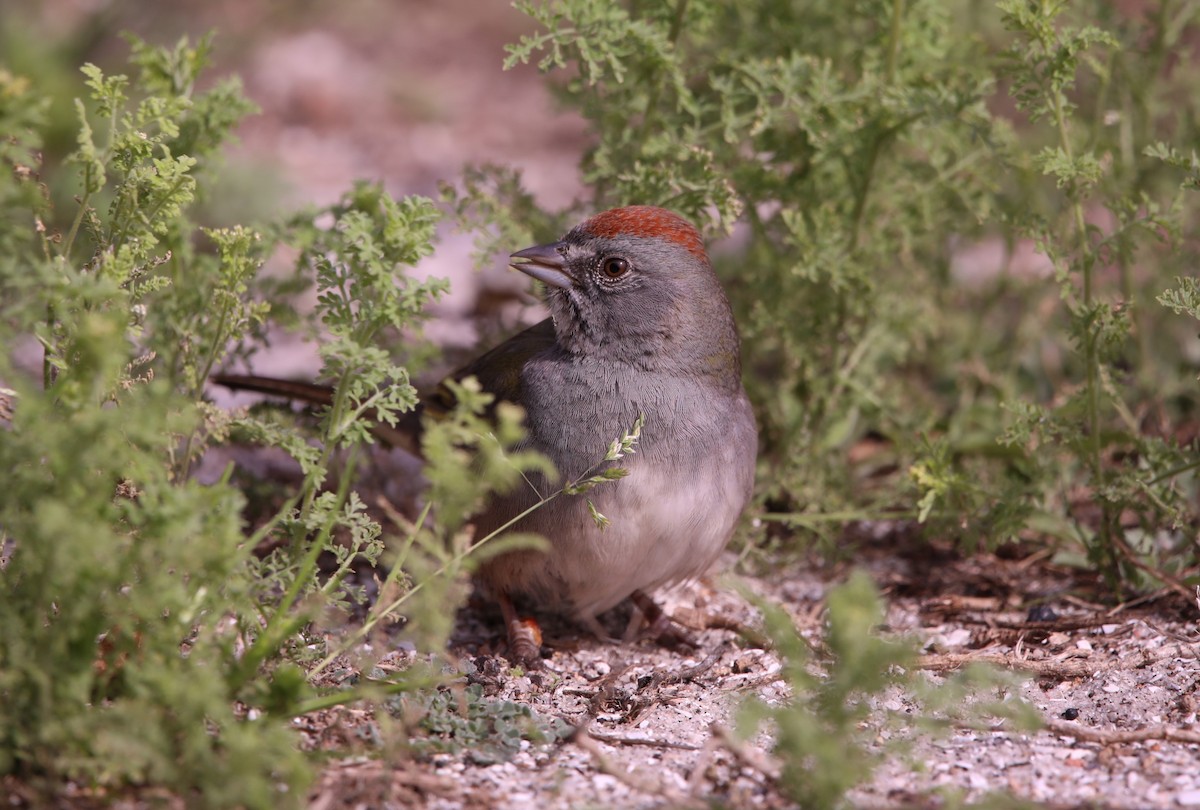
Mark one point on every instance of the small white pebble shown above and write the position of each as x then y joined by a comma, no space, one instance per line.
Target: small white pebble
596,670
605,782
1189,798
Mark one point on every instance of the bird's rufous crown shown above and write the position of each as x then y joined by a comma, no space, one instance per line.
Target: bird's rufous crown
647,221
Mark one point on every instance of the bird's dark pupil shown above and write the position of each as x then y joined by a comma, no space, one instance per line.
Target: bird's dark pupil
614,267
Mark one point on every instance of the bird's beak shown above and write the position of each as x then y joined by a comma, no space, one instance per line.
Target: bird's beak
543,262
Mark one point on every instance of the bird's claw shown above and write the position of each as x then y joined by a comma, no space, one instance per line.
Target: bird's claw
661,627
524,643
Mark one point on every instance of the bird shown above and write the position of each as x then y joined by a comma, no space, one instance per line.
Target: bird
640,332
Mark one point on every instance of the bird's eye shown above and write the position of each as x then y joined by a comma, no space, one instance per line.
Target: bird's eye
614,267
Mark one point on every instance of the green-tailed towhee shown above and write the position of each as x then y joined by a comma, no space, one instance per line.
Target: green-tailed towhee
639,326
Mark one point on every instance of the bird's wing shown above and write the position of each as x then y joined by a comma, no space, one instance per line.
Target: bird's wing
293,390
499,370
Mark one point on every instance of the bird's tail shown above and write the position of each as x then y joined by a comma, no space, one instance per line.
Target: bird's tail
406,434
293,390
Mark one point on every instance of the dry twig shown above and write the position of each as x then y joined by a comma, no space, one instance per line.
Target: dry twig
1064,670
711,746
748,755
615,739
639,782
691,673
1095,735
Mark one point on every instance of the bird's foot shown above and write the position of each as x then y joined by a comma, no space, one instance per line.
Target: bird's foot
661,627
525,643
524,636
594,627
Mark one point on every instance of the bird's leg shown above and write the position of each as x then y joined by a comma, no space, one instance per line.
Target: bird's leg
659,625
596,629
524,635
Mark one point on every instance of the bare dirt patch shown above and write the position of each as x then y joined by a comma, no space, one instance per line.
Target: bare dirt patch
1118,690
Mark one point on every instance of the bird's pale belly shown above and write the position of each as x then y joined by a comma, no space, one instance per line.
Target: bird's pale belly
670,519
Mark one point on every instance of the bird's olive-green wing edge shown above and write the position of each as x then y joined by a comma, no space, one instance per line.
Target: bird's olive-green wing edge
498,372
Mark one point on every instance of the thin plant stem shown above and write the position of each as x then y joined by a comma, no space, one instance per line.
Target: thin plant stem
451,564
1086,261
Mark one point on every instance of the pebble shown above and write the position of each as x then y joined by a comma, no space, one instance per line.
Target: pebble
1189,798
595,670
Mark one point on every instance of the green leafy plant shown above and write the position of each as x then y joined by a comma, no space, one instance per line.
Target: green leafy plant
488,731
852,154
115,652
1122,466
145,642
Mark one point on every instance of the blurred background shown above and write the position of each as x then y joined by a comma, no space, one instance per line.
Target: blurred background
406,92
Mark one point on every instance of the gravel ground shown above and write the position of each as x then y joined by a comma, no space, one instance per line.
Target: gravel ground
1118,690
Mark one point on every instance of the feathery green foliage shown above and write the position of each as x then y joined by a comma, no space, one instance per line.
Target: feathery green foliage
821,734
853,154
116,654
144,642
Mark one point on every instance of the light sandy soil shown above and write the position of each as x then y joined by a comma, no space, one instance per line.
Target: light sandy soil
655,720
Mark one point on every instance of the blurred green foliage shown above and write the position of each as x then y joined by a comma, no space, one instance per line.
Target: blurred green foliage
117,650
145,641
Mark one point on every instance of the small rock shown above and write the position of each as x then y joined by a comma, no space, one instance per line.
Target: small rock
605,782
959,637
596,670
744,663
1189,798
1042,613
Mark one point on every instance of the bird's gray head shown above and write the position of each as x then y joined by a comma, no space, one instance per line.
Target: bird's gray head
634,285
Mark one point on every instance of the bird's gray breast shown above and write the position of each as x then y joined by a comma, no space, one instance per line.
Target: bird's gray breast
576,408
689,477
